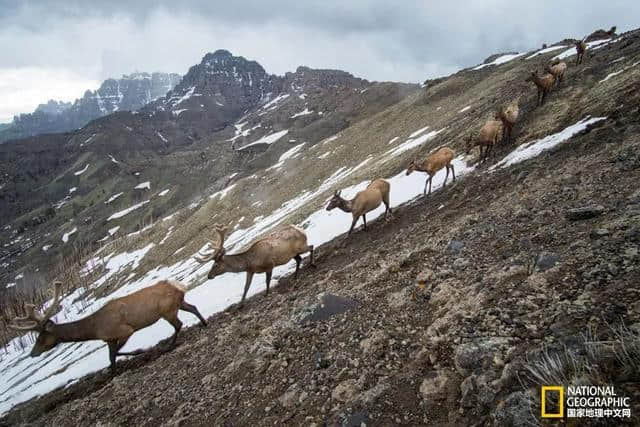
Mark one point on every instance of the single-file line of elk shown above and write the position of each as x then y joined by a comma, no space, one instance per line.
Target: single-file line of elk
119,318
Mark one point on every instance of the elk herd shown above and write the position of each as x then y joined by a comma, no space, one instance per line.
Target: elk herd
119,318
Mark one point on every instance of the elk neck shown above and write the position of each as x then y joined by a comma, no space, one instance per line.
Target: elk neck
80,330
236,263
345,205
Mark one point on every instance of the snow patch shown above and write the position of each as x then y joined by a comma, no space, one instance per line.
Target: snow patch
416,133
268,139
304,112
572,51
65,236
80,172
546,50
124,212
161,137
611,75
222,193
532,149
143,186
292,152
412,143
112,198
499,60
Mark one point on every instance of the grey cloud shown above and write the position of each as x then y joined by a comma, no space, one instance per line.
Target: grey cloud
379,40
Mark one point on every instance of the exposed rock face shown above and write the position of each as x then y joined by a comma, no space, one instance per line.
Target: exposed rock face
219,89
128,93
53,107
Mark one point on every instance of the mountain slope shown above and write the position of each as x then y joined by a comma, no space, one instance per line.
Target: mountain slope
128,93
382,349
184,142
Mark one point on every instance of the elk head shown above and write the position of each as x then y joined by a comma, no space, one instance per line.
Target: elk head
412,166
39,322
336,201
532,77
217,255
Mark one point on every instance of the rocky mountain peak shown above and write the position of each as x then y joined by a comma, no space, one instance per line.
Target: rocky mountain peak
53,107
128,93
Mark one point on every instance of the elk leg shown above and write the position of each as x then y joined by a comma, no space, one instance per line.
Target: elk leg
453,172
538,103
364,218
193,310
353,224
113,350
310,250
268,273
544,96
444,184
424,192
246,285
430,178
298,259
177,325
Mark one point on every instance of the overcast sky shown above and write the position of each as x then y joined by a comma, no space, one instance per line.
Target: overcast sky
58,49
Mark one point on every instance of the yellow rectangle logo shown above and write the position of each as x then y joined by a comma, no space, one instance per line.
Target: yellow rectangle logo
543,400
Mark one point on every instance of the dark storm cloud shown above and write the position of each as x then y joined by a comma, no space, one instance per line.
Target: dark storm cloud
378,40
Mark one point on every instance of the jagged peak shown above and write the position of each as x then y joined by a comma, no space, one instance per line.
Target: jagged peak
218,54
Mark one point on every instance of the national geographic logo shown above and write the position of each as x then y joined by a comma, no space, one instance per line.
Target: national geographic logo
583,402
560,398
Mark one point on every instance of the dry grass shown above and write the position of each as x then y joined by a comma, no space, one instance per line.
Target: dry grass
612,358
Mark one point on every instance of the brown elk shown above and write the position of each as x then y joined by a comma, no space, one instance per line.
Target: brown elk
557,69
113,323
508,116
263,256
365,201
441,157
489,135
581,48
544,84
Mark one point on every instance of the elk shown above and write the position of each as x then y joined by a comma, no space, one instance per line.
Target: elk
557,69
365,201
441,157
544,84
581,48
113,323
489,136
508,116
263,255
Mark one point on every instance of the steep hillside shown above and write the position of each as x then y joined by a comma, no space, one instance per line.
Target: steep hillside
128,93
452,312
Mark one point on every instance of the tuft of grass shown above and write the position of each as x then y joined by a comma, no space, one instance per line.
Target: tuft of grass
613,358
